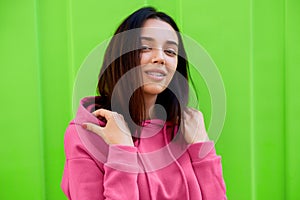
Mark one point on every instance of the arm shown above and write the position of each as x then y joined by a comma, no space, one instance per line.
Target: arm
87,179
121,171
208,170
206,164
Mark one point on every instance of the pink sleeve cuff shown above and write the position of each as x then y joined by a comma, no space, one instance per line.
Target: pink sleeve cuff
122,158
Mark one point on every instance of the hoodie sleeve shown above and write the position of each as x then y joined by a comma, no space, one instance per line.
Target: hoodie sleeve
208,170
84,178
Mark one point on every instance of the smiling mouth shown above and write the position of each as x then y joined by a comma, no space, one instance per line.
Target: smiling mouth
156,74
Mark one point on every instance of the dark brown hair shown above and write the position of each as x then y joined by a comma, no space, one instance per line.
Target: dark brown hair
122,55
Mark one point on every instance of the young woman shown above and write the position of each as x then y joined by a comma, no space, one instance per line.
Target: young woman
121,145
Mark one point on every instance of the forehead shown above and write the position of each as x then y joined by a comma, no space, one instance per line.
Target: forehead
159,30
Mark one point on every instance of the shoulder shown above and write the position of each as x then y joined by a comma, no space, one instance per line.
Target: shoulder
72,143
80,143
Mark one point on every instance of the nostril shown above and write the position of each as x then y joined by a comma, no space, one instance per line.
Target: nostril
160,61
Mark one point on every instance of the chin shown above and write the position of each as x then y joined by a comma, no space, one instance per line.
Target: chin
153,89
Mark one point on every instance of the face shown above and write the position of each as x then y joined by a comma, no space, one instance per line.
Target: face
159,49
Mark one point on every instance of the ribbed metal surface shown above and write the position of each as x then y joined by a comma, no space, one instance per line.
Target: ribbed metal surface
255,44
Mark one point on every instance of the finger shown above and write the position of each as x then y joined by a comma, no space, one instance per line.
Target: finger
194,113
103,113
93,128
188,110
191,111
187,115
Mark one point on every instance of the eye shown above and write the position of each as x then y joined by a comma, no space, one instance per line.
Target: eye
145,48
170,52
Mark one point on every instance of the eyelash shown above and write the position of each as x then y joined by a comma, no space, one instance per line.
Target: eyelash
169,52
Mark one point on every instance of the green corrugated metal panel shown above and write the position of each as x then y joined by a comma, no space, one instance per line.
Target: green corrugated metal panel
223,28
268,96
292,106
255,45
21,169
94,22
55,87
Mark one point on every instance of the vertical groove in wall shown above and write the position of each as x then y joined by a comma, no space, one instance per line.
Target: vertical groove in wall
252,136
285,129
40,100
70,52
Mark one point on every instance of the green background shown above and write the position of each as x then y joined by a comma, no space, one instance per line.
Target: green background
254,43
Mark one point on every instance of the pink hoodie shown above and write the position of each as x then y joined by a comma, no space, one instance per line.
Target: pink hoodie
156,168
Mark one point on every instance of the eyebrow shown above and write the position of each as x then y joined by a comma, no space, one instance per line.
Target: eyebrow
152,39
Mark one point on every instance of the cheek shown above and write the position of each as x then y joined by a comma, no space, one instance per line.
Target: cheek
172,64
144,58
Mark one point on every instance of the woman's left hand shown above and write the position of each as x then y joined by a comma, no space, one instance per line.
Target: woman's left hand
194,127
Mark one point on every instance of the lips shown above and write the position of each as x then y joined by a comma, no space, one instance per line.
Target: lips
156,74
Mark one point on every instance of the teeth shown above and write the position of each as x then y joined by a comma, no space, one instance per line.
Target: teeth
155,74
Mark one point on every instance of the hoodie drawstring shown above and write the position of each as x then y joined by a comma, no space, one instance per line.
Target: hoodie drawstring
175,160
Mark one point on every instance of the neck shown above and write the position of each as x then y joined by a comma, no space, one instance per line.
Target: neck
149,103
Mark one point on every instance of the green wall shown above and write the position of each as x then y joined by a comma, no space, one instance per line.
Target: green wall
254,43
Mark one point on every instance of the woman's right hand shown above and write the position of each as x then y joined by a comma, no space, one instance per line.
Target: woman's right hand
115,131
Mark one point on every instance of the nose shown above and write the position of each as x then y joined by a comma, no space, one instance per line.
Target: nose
158,56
